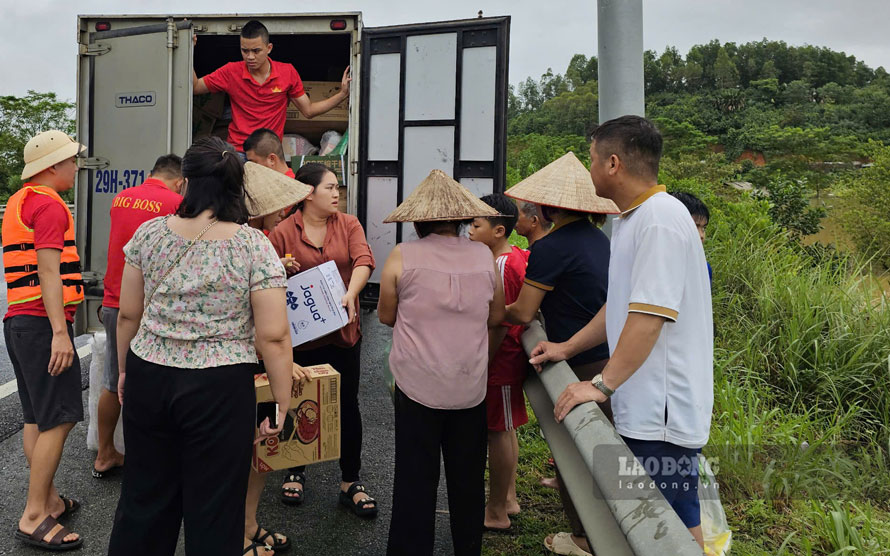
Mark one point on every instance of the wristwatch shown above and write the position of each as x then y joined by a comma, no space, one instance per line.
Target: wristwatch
598,383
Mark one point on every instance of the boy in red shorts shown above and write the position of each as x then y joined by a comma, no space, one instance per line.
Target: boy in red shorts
507,367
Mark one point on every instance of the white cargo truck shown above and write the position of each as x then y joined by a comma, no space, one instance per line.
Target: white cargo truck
423,96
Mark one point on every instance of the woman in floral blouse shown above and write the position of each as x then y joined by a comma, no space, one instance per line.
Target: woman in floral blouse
197,288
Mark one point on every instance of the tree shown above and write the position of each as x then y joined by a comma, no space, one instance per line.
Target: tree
20,119
726,75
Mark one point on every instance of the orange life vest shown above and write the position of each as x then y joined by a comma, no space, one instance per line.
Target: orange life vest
20,257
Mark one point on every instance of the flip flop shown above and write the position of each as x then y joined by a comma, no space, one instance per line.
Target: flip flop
505,530
71,506
55,544
110,472
562,543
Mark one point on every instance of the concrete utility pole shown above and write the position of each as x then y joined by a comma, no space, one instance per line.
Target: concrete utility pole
620,53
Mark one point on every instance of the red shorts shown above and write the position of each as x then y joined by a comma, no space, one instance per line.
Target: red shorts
506,407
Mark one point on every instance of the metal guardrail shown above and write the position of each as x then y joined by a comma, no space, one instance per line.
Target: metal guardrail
617,521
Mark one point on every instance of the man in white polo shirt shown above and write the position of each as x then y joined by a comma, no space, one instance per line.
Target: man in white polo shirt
657,318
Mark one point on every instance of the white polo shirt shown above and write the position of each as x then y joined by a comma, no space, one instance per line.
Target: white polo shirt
658,267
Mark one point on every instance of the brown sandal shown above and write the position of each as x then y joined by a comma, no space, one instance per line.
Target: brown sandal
56,544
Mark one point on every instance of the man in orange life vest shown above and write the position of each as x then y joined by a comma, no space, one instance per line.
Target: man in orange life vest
44,289
158,196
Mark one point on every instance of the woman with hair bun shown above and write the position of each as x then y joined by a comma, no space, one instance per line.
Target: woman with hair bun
201,293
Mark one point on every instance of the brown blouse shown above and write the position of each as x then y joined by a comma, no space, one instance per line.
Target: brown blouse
344,243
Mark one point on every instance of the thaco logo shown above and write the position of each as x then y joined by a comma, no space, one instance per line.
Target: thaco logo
129,100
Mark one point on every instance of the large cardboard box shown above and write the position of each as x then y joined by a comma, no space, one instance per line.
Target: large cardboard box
313,303
318,91
311,431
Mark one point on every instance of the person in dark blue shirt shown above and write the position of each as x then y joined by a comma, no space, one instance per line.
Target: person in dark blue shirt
700,215
567,278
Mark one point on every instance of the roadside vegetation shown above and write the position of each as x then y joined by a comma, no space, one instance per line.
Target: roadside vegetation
802,322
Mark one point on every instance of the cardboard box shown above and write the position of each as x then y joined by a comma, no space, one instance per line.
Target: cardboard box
317,91
311,431
313,303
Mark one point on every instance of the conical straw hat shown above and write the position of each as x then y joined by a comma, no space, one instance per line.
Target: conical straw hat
269,191
564,183
439,198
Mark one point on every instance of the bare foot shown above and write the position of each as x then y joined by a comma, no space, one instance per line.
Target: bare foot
495,519
104,463
28,526
549,482
513,507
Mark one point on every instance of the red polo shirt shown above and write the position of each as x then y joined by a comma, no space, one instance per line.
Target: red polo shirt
129,210
254,105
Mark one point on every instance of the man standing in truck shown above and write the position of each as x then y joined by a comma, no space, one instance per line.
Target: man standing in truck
260,88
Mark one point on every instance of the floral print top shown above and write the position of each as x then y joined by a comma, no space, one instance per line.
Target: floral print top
200,316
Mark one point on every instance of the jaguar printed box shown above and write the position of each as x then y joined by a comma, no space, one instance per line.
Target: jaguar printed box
311,431
313,303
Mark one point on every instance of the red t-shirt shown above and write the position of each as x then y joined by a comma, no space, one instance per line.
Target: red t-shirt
49,220
254,105
290,173
510,362
129,210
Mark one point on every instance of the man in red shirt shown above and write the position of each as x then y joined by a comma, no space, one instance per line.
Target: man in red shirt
44,289
264,147
260,88
507,367
158,196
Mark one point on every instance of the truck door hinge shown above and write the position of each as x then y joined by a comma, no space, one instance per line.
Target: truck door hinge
96,49
357,47
235,27
353,167
93,163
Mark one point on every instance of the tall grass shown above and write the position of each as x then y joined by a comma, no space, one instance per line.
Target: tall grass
802,411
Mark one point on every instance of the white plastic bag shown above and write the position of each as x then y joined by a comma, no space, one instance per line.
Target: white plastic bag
97,380
714,527
329,141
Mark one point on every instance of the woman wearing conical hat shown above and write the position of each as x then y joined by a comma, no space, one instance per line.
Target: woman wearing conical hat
268,195
441,294
566,279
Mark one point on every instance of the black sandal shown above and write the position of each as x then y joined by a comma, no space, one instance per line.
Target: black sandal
71,506
293,496
254,549
359,508
276,545
55,544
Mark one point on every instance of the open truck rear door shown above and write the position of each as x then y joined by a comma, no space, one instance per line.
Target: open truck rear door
434,96
134,104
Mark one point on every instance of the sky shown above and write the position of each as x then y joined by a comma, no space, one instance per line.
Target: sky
40,50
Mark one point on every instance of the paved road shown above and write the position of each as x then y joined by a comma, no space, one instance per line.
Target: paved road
319,526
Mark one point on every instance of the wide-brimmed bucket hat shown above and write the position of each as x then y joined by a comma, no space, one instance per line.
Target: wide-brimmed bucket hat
269,191
48,148
564,183
440,198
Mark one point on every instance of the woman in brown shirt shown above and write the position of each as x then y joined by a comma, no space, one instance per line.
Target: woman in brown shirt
315,233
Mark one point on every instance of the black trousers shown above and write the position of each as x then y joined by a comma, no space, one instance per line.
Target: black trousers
461,435
347,362
189,435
